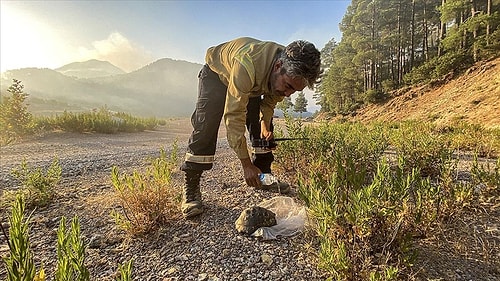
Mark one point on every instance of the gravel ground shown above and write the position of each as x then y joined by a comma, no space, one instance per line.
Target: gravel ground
208,247
205,248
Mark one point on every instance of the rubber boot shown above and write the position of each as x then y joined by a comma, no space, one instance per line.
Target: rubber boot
191,201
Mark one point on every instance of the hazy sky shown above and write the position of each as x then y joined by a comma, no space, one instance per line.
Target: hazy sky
131,34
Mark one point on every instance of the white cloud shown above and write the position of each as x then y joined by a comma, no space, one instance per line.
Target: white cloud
118,50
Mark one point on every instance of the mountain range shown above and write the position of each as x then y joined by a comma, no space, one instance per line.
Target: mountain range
164,88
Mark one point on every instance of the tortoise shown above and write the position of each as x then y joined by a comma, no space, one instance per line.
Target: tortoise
254,218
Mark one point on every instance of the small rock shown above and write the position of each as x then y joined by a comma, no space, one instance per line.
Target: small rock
96,241
182,258
266,259
172,270
5,226
4,248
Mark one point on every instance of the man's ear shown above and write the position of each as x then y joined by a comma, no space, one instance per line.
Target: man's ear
277,65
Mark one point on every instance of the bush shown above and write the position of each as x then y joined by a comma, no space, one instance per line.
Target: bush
367,207
99,121
419,147
375,96
70,251
15,120
38,187
148,199
473,138
19,264
437,67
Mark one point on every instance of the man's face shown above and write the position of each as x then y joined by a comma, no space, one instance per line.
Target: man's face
284,85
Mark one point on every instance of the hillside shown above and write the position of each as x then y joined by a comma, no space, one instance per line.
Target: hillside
165,88
473,97
90,69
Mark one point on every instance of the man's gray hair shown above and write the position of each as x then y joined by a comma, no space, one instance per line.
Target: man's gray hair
301,59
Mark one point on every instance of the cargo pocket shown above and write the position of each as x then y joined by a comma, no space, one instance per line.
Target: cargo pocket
200,114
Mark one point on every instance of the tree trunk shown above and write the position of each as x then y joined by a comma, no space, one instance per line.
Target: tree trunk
372,60
412,35
425,43
488,25
400,46
474,32
442,32
463,45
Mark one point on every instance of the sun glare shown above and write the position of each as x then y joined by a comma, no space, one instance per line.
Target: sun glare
27,42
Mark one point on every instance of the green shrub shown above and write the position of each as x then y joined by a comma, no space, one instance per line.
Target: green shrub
388,85
70,253
15,119
454,62
368,207
125,271
486,173
19,263
98,121
472,138
421,147
149,200
38,186
375,96
332,147
366,223
437,67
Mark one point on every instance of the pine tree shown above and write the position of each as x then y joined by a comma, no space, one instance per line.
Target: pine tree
300,103
285,105
390,44
15,119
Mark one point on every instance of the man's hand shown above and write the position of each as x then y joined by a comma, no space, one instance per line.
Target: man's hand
265,133
251,173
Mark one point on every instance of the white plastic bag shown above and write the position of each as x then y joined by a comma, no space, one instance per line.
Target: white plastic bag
290,218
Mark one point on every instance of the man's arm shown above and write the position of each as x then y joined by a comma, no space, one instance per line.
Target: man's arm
267,111
235,118
251,172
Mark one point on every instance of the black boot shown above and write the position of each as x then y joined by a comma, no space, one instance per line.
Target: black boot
191,201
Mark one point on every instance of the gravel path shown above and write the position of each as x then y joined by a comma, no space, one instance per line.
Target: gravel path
205,248
208,247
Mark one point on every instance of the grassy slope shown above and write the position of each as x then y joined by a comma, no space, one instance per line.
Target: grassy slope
473,97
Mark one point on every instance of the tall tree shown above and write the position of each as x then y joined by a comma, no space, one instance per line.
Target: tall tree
387,43
285,105
442,30
326,53
300,103
15,119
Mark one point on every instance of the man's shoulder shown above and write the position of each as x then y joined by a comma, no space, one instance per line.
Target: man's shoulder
253,41
247,39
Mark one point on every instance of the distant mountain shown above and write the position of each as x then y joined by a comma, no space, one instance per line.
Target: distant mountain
90,69
165,88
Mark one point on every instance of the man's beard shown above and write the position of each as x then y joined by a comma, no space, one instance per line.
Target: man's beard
278,93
